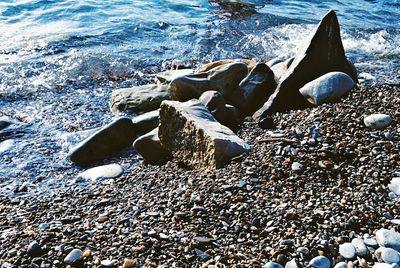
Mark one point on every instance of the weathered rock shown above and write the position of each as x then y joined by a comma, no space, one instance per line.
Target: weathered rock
388,239
279,69
167,76
193,135
324,53
377,121
139,99
102,172
390,256
347,251
224,78
151,149
106,142
74,258
254,90
327,88
223,113
208,66
394,185
145,122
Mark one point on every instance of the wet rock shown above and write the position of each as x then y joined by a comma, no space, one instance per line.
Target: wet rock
281,68
394,185
150,148
207,67
253,90
272,265
34,250
74,258
390,256
145,122
327,88
6,145
193,135
388,239
224,78
106,142
347,251
320,262
167,76
324,53
378,121
361,248
139,99
223,113
4,122
102,172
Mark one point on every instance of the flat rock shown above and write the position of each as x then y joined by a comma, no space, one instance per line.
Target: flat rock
102,172
377,121
104,143
388,239
167,76
370,242
394,185
224,78
328,88
361,248
192,134
390,256
139,99
324,53
208,66
253,90
150,148
347,251
145,122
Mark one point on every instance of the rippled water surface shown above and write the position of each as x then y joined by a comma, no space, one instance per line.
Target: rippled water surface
59,60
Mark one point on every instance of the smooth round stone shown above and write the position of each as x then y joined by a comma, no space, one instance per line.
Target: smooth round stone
378,121
320,262
297,167
34,249
74,257
394,186
370,242
100,172
390,256
107,263
347,251
388,239
361,248
272,265
341,265
384,265
6,145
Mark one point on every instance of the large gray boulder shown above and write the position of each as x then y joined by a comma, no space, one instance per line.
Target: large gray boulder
150,148
224,79
328,88
193,135
253,90
139,99
322,54
104,143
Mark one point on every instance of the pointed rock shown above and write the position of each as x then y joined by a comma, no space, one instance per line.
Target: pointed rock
192,134
254,90
322,54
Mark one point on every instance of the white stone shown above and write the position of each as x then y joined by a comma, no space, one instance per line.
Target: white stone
341,265
100,172
361,248
394,186
390,256
347,251
377,121
6,145
327,88
388,238
297,167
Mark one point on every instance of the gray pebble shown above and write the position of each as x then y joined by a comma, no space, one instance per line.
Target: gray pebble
390,256
347,251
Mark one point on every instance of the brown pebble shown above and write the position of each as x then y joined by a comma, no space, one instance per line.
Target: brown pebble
129,263
87,253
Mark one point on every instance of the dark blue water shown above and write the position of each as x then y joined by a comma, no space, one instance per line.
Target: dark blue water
59,59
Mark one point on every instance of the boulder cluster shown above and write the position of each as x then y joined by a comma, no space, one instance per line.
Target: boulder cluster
190,114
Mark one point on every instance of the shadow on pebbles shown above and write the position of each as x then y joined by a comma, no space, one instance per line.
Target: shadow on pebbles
261,207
